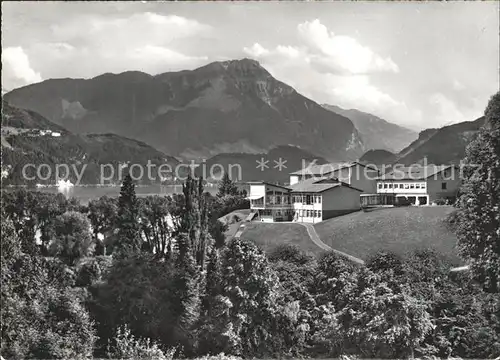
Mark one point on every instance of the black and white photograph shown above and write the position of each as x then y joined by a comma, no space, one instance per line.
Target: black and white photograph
229,180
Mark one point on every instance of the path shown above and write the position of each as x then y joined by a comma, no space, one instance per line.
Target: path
315,239
313,235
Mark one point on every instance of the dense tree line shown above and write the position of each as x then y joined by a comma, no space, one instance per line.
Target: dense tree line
154,278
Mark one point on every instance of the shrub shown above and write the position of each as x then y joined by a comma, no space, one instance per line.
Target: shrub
221,356
384,261
127,346
289,253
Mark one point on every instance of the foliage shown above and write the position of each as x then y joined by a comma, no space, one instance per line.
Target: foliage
289,253
383,322
155,228
42,315
33,212
72,238
194,221
129,240
181,289
335,280
138,291
385,261
479,226
102,214
127,346
227,186
92,269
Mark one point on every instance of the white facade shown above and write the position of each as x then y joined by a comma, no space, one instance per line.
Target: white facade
436,183
275,203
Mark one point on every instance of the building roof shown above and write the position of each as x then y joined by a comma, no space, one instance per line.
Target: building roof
318,185
324,169
416,172
267,183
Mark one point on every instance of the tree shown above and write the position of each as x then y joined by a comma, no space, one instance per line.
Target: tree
33,213
187,284
73,239
335,280
384,323
194,220
156,224
479,226
252,291
227,186
126,346
384,261
138,290
42,316
102,214
129,239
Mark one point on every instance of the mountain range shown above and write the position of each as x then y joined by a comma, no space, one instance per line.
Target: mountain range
231,112
441,146
29,138
232,106
272,166
377,133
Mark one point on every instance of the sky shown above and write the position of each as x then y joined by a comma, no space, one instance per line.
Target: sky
417,64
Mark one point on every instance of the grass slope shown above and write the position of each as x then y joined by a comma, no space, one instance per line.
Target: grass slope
269,236
396,229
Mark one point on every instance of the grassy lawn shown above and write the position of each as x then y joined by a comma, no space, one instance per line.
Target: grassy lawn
397,229
268,236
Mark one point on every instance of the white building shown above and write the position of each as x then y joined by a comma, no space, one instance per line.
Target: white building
420,185
312,200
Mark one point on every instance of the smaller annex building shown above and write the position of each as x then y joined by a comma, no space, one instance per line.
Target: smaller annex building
417,185
312,200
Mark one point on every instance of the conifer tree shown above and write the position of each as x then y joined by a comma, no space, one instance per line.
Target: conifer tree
227,186
129,240
479,215
195,219
187,286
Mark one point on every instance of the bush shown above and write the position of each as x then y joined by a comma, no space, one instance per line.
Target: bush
384,261
221,356
289,253
127,346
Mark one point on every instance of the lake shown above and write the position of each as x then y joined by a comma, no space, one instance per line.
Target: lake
87,193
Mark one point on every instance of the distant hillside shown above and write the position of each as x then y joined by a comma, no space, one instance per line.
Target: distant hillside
29,138
293,159
224,107
375,132
378,157
441,146
26,119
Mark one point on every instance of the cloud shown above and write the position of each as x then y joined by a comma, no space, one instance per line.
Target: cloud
341,53
155,58
334,69
87,46
130,30
448,112
256,50
16,68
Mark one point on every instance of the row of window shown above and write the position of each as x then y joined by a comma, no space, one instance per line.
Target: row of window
307,199
401,186
278,213
309,213
285,200
277,200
